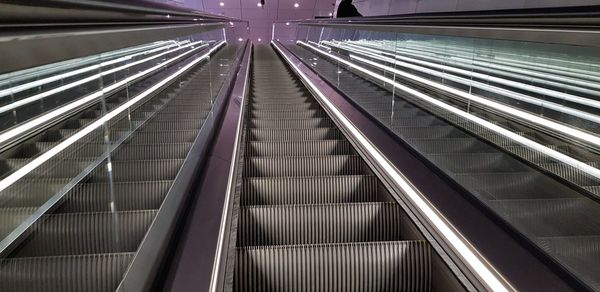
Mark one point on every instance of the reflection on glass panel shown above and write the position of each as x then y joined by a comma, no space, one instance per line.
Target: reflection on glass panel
91,131
514,123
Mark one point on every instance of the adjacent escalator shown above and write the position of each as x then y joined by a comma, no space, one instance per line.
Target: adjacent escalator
89,240
312,216
560,217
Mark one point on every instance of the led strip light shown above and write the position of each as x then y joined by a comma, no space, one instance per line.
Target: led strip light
27,168
35,72
494,89
44,94
22,87
65,109
541,67
477,265
495,128
454,63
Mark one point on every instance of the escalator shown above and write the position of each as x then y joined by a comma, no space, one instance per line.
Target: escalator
312,216
88,241
559,216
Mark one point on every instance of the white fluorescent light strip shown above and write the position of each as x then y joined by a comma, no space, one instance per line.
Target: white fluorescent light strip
542,67
477,266
35,163
510,56
68,107
563,129
531,76
494,89
44,94
504,132
35,72
53,78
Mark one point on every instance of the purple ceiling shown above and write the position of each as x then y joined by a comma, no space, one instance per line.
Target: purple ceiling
261,18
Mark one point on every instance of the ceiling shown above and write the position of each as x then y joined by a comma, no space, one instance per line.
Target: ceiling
261,18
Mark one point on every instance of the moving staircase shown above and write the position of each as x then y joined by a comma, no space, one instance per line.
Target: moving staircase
560,216
89,240
312,216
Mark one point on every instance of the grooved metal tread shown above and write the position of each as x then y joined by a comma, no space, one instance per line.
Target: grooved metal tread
311,216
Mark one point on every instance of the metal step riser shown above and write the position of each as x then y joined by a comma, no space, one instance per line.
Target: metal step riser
139,170
457,145
303,166
478,163
318,190
430,132
98,197
90,273
173,126
283,115
185,136
391,266
291,124
309,224
10,218
283,107
295,135
323,147
87,233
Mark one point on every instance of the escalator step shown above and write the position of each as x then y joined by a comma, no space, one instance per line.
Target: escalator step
377,266
283,107
282,115
178,136
90,273
291,123
96,197
303,166
87,233
10,218
478,162
309,190
152,151
172,125
308,224
299,148
138,170
295,134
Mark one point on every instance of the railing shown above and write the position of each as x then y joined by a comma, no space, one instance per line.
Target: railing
528,84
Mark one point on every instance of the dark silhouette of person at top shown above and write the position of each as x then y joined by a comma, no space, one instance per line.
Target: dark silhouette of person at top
346,9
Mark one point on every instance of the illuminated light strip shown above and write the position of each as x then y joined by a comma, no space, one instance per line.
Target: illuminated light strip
320,45
504,132
579,85
450,234
70,106
565,71
15,77
53,78
36,97
35,163
563,129
494,89
51,68
469,51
